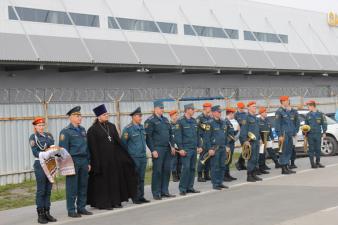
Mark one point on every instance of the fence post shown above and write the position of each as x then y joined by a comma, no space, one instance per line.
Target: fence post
117,111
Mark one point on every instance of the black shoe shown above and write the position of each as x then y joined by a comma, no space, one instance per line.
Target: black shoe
49,217
227,179
292,171
157,198
285,170
293,166
262,171
168,196
250,177
41,216
183,193
257,172
74,215
193,191
118,206
175,177
201,179
207,176
143,200
319,165
217,188
223,186
85,212
265,167
137,201
240,166
254,174
277,165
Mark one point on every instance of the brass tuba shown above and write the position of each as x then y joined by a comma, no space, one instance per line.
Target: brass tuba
305,129
281,143
246,147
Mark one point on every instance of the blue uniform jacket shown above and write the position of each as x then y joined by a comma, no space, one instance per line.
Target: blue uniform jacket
250,124
317,122
134,139
158,133
74,140
188,137
40,143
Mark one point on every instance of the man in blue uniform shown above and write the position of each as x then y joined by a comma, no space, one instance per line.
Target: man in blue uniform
230,115
266,132
134,139
295,122
285,131
216,143
73,139
176,164
160,141
203,127
251,124
317,121
189,144
240,116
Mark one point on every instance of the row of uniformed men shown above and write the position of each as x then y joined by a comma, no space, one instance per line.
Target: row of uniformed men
186,137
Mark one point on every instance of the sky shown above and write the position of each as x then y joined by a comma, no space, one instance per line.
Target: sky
315,5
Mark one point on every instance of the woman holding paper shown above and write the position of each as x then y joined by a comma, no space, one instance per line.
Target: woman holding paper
40,141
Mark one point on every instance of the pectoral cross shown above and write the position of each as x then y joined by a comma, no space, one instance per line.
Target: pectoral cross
109,138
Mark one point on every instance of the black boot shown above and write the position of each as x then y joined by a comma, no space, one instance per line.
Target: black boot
292,165
175,176
200,178
49,217
265,167
319,165
254,174
207,176
277,165
290,170
313,165
240,166
257,171
41,216
231,177
285,170
263,171
227,177
250,177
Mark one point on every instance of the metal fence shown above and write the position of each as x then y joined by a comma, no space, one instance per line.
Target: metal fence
16,159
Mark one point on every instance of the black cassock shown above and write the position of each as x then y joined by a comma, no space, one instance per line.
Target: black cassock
113,178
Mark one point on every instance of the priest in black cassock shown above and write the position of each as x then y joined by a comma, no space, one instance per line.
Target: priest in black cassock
112,179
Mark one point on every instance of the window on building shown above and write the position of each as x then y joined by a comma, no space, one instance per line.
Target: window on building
210,32
142,25
265,37
49,16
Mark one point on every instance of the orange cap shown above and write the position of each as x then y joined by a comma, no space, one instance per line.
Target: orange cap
251,103
311,102
38,120
229,109
172,112
240,105
284,98
207,104
262,110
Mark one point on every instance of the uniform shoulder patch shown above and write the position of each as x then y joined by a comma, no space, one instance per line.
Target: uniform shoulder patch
125,135
62,137
243,122
32,143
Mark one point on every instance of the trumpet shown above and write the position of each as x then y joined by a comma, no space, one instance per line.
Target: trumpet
281,143
206,157
246,147
265,134
305,129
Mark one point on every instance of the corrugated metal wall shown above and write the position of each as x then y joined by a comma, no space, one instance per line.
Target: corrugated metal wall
16,159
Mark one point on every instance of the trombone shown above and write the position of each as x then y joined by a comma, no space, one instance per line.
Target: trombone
246,148
305,129
228,155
